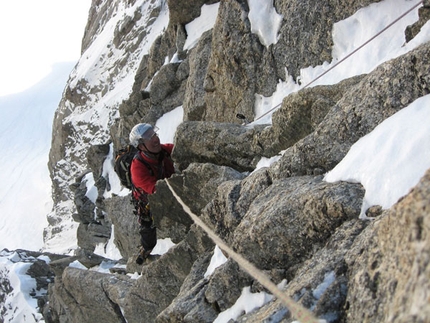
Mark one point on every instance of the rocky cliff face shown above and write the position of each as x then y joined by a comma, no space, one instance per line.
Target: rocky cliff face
284,219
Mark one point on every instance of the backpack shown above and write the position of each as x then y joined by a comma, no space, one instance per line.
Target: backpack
123,159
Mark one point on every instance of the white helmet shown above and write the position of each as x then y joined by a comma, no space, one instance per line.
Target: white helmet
138,132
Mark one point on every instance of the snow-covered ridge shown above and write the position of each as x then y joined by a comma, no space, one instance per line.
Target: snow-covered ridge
104,76
111,70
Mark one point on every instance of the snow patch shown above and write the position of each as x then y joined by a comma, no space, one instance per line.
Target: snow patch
391,159
265,21
201,24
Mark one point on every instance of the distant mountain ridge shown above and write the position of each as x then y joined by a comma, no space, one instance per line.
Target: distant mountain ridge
25,177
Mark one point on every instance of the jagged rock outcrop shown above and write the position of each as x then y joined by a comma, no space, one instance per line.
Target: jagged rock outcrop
285,219
387,89
35,266
378,269
395,266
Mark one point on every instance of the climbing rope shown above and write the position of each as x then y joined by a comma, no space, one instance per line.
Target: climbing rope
347,56
297,311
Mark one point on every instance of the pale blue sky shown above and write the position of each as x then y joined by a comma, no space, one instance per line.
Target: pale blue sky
36,34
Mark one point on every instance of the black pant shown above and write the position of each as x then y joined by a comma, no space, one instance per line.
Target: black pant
148,235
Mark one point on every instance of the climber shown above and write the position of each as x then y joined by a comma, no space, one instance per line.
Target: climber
151,163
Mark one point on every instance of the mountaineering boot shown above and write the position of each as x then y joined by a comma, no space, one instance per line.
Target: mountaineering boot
143,254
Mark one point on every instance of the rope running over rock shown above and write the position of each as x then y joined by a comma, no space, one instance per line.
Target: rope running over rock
297,311
347,56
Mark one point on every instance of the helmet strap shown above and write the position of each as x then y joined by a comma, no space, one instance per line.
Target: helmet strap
147,151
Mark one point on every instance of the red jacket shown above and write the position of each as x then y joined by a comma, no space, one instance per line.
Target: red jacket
143,179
